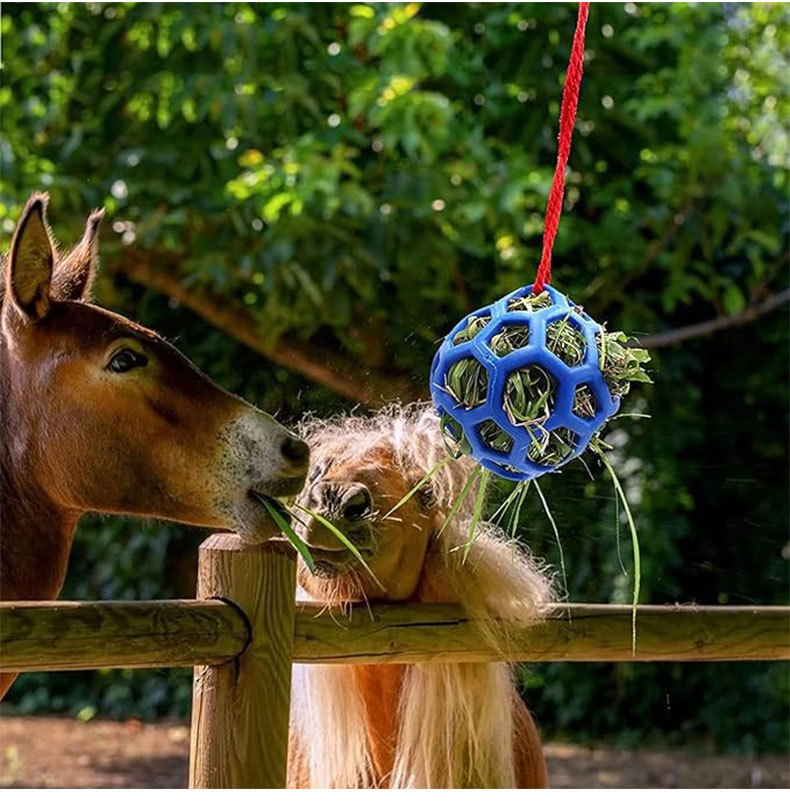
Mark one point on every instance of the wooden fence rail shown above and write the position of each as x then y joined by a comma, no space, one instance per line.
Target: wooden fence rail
571,633
78,635
246,615
63,635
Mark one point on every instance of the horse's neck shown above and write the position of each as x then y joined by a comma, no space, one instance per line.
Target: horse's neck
379,688
35,540
35,533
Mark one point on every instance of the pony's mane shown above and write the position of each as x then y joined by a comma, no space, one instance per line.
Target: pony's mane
455,720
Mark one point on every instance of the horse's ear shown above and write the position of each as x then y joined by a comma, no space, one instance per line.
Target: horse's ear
30,259
75,273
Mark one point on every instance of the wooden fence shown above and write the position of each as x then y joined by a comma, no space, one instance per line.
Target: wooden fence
245,630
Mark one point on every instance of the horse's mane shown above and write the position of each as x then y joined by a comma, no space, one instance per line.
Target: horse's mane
455,720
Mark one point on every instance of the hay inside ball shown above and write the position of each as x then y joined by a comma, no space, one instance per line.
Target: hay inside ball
523,385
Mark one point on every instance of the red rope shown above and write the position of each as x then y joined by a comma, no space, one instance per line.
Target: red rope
570,100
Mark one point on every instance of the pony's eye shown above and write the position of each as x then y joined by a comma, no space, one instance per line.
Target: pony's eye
426,498
125,360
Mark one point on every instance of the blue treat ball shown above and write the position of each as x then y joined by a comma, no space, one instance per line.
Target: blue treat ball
566,381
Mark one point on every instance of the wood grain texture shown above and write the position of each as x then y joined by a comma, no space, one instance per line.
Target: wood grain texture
240,710
64,635
399,633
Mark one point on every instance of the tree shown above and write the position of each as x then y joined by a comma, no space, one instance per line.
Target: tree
335,185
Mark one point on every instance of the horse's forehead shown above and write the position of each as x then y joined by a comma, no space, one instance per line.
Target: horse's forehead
118,321
109,322
87,325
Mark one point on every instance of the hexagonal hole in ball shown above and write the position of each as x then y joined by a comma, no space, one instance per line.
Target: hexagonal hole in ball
454,438
494,437
584,404
566,341
474,325
509,338
467,383
530,303
551,448
529,396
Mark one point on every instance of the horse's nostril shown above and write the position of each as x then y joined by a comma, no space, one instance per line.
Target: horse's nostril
296,451
357,505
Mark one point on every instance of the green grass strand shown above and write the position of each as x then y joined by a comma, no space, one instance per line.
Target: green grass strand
288,531
556,536
634,543
478,510
417,486
460,499
340,536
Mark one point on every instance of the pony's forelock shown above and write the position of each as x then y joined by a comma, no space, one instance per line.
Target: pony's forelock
411,433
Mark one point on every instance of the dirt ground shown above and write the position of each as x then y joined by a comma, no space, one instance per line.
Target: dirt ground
64,753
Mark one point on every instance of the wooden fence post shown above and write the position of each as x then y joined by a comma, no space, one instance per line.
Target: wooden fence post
240,710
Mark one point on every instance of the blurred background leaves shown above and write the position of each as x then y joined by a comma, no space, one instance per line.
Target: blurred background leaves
310,195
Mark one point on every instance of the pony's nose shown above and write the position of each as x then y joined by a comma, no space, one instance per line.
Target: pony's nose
356,504
296,452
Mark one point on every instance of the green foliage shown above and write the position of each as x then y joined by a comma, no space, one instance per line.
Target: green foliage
359,160
621,364
362,176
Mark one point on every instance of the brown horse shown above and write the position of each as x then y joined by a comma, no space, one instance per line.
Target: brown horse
101,414
432,725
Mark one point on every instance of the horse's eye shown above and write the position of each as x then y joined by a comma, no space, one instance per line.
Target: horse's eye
125,360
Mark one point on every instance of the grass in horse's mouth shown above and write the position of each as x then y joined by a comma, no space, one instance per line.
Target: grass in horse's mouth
270,502
281,515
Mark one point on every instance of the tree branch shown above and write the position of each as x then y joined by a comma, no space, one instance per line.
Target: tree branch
717,324
345,376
